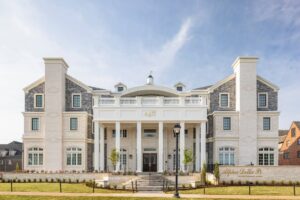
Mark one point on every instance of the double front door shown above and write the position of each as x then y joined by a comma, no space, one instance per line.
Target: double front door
149,162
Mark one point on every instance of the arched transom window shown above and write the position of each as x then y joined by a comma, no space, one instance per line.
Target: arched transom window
226,156
74,156
35,156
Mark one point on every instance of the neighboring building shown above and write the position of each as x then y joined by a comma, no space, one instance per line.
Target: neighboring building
289,153
233,122
10,155
282,135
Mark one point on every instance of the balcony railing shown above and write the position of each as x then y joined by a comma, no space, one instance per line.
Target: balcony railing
150,101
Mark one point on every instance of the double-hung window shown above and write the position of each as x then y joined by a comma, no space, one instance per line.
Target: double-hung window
262,100
38,101
35,124
73,124
267,123
226,123
224,100
76,100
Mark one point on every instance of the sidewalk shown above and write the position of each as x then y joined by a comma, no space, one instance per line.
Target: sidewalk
151,195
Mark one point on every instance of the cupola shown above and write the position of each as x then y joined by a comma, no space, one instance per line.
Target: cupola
150,79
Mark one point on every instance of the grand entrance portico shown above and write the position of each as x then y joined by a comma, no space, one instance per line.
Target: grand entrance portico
140,128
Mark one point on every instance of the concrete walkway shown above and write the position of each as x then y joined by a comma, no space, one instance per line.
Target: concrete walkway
151,195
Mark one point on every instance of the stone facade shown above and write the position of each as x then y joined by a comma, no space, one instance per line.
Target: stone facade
228,87
29,98
86,98
272,96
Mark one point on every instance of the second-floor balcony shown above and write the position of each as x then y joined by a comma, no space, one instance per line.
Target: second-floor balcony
150,101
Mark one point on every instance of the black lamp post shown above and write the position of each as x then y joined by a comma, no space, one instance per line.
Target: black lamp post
176,131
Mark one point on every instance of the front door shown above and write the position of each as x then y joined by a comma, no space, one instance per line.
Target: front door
149,162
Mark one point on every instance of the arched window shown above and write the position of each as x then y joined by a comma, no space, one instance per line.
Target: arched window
35,156
266,156
74,156
226,156
123,159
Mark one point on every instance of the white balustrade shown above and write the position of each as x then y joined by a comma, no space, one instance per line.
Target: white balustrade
152,101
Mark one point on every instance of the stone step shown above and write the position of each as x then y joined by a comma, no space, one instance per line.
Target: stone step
150,188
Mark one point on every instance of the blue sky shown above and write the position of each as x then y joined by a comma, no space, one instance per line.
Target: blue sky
105,42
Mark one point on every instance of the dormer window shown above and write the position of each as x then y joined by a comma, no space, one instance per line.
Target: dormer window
120,87
179,87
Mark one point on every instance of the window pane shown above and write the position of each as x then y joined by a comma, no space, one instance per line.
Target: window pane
266,159
39,101
221,161
226,159
68,159
29,159
262,100
271,159
231,159
226,123
40,159
267,123
35,124
260,159
76,101
73,123
73,158
224,100
35,159
79,159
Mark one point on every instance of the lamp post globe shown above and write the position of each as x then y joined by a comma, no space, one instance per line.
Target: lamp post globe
176,131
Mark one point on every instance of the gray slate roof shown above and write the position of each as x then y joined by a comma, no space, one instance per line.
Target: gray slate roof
203,88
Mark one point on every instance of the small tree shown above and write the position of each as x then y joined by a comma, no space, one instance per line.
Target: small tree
17,167
217,173
188,157
203,174
114,157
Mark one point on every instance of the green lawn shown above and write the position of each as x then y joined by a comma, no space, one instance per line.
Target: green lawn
53,187
244,190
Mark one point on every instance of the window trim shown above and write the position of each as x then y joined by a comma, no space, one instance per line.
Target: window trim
228,100
270,150
34,101
75,94
38,124
267,102
229,124
69,151
76,124
231,151
270,124
39,151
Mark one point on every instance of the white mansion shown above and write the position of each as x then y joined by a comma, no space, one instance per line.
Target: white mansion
69,126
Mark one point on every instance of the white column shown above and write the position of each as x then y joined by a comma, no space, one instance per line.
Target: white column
101,147
160,147
118,144
139,147
203,143
182,146
198,166
96,146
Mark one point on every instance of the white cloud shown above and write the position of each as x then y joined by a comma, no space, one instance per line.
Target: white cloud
162,59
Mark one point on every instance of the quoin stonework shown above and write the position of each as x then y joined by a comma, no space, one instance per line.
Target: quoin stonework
70,126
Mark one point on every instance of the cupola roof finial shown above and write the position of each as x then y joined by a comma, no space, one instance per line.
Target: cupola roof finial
150,79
